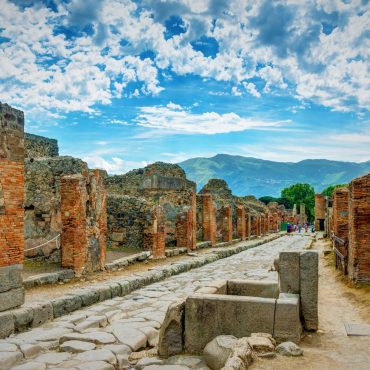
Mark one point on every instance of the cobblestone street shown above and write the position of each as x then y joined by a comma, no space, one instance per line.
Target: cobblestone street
104,335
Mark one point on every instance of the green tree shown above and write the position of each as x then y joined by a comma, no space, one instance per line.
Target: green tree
301,193
286,202
329,190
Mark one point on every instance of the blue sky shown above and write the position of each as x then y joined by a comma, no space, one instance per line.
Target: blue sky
124,83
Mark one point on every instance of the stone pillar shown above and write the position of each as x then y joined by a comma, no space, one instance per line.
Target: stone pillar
359,229
227,224
185,230
84,222
240,223
11,208
267,223
155,234
302,214
248,227
294,214
340,218
209,219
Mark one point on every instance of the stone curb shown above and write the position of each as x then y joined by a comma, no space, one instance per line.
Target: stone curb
48,278
36,314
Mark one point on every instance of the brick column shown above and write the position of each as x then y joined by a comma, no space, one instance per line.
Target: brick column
11,207
227,224
74,234
84,222
155,234
359,230
302,214
248,227
185,231
209,219
267,223
240,223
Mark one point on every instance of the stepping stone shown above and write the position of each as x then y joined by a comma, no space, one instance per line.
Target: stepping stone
129,336
354,329
77,346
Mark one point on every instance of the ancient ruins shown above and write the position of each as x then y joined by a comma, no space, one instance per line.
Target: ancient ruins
54,210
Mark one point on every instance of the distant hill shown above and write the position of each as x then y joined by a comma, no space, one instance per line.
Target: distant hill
246,175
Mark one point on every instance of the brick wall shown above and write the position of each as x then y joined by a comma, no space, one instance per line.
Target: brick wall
302,214
320,209
186,227
359,229
340,217
241,223
155,234
209,219
84,225
11,206
227,224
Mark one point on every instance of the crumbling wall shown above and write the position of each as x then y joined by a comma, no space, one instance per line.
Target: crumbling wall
39,146
43,203
320,210
11,206
84,225
359,230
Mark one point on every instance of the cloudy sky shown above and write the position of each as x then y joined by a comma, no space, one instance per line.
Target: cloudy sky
123,83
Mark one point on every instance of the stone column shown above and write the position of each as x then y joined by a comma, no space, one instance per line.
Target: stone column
302,214
359,230
209,219
227,224
241,224
11,208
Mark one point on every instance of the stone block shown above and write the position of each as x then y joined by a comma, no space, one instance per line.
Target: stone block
289,272
22,318
42,312
309,285
10,278
65,305
287,325
207,316
6,324
12,298
172,330
253,288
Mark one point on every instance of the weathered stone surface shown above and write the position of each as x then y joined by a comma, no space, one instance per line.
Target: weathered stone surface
6,324
95,365
287,318
261,344
76,346
22,318
42,312
217,351
289,272
54,358
10,278
9,359
66,304
254,288
94,337
151,334
11,298
171,333
98,355
289,349
309,285
191,361
119,349
129,336
146,361
30,366
240,315
240,357
166,367
31,350
8,347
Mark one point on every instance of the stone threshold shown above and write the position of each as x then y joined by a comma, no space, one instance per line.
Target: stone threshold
36,314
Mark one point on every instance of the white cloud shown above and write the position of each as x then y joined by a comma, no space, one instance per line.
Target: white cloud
114,165
251,88
178,120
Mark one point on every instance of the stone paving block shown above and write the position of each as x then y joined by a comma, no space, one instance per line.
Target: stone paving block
309,285
76,346
133,338
88,296
289,272
98,337
287,319
65,305
8,347
30,350
97,355
6,324
95,365
30,366
9,359
53,358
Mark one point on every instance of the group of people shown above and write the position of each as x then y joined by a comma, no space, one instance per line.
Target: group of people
294,227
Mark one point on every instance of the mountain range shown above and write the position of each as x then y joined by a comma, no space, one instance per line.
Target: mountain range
247,175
